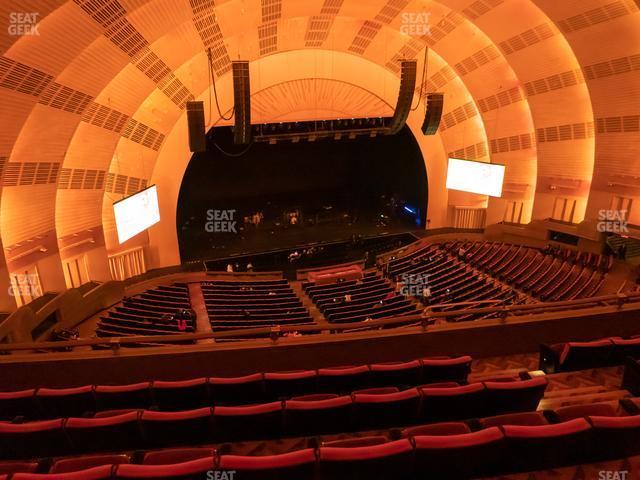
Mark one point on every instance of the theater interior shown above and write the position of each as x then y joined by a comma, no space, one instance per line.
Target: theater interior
319,239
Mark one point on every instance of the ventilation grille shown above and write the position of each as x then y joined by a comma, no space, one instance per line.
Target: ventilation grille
271,10
626,124
30,173
142,134
477,60
598,15
81,179
616,66
437,81
526,39
481,7
472,152
268,37
65,98
319,25
554,82
365,36
390,11
561,133
459,115
407,52
22,78
123,185
204,20
502,99
444,27
511,144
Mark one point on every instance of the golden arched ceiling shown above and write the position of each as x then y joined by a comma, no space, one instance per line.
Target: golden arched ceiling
543,86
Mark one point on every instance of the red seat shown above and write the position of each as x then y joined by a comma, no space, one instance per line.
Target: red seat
454,369
18,467
523,418
386,410
247,422
456,403
237,390
548,446
407,374
74,464
280,385
391,460
357,442
626,347
176,471
467,455
510,397
317,417
96,473
161,429
343,379
116,397
443,428
565,414
176,455
116,432
33,439
615,437
181,395
66,402
297,465
18,404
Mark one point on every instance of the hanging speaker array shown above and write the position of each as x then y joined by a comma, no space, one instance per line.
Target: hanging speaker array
195,121
433,115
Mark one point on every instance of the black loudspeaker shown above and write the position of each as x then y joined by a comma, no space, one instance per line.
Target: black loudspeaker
241,102
195,121
405,96
435,103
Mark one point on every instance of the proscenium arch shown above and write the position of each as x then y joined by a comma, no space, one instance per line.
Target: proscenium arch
175,156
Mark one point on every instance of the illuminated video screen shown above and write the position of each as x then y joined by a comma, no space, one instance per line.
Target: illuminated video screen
136,213
475,177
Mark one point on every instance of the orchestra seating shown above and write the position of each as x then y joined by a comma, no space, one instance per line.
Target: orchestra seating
250,304
150,313
358,300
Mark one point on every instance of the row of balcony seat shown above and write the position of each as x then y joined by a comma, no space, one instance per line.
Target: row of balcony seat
306,415
455,450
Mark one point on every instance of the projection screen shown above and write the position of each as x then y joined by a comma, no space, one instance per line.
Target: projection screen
136,213
475,177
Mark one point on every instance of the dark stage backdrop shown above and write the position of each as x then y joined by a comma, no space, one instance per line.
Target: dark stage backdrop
338,187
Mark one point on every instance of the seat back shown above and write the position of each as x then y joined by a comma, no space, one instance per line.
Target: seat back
248,422
343,379
295,465
454,369
386,410
73,464
161,429
318,417
65,402
282,385
117,397
615,437
177,471
96,473
584,355
516,396
456,403
18,467
464,455
18,404
237,390
43,438
401,374
176,455
116,432
181,395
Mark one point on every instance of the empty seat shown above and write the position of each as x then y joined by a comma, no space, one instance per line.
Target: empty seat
318,416
626,347
65,402
565,414
181,395
64,465
18,467
343,379
115,397
33,439
176,428
454,369
564,357
466,455
176,455
386,409
396,373
247,422
237,390
456,403
388,460
18,404
615,437
547,446
518,396
96,473
115,432
297,465
443,428
177,471
357,442
522,418
287,384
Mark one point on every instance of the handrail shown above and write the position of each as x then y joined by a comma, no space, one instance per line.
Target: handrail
426,317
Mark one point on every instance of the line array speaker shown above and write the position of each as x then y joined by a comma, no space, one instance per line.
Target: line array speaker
435,103
195,121
405,96
242,102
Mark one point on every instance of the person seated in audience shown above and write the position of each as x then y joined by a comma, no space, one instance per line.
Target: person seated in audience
229,268
166,319
462,253
249,267
347,297
271,293
426,294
